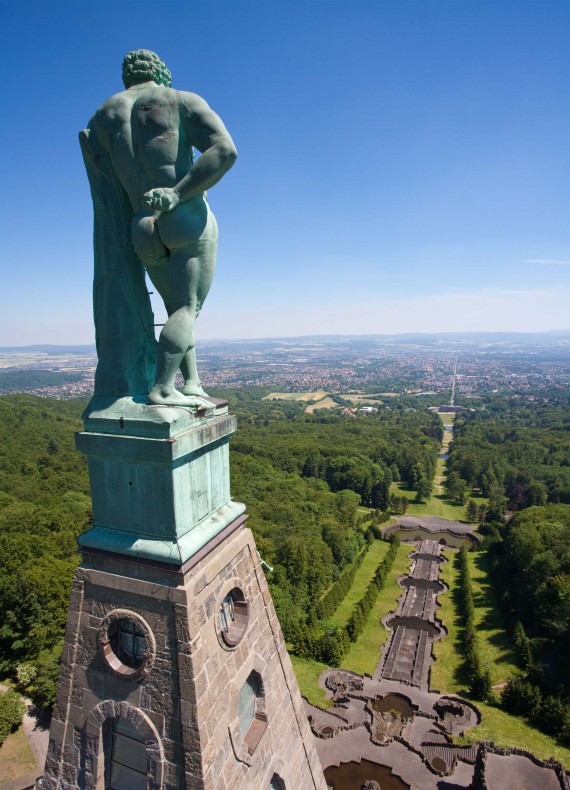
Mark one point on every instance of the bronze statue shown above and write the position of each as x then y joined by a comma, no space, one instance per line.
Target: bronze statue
151,208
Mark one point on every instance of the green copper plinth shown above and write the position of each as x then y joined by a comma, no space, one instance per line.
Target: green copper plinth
160,480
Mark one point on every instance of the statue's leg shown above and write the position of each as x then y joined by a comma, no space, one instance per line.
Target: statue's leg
190,232
159,276
190,273
156,259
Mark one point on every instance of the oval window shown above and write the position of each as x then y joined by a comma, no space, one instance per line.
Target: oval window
126,644
233,617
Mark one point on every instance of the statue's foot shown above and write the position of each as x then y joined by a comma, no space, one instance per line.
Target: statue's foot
169,396
194,388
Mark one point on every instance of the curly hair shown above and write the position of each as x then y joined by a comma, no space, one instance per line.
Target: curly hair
142,65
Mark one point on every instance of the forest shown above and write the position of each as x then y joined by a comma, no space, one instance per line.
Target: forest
305,479
535,551
515,452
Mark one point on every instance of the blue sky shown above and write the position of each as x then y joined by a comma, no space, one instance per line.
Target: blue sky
403,166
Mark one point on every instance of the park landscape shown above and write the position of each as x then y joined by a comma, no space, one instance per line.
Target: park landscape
324,489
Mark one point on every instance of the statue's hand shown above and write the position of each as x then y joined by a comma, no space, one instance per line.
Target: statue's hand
164,199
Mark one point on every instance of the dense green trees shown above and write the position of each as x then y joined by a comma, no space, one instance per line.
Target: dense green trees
472,511
44,505
531,572
535,551
316,640
364,455
516,453
456,487
549,713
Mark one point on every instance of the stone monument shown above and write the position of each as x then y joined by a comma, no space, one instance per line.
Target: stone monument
174,674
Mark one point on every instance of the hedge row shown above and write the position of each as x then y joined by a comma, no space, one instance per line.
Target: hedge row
331,646
522,645
332,599
479,676
362,609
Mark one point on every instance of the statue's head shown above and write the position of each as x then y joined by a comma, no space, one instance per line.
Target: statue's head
142,65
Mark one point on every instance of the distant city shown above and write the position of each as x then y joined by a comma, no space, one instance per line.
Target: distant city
518,364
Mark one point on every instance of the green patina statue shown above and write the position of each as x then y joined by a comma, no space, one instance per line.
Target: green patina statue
151,211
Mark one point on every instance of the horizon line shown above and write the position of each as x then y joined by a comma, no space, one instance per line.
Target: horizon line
446,333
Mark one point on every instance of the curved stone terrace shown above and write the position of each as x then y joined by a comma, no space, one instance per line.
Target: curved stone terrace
453,533
393,719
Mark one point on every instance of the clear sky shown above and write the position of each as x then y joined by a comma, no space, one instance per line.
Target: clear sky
403,166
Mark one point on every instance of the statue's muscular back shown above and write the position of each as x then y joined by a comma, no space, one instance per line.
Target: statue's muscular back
145,139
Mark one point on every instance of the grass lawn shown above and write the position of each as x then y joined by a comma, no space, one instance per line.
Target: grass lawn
307,673
438,505
324,403
495,645
364,574
364,654
16,758
446,674
495,648
507,730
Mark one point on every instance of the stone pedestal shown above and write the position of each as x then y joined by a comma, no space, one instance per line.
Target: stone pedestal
160,479
174,673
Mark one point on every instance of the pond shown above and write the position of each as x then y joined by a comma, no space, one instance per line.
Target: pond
393,702
351,776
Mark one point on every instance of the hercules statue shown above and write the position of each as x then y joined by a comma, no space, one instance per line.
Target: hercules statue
151,207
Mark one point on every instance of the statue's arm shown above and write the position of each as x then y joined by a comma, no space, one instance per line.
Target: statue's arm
206,131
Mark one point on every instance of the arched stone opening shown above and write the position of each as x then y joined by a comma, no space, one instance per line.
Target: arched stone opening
127,750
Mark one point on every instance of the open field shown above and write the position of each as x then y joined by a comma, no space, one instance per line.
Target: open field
364,654
358,399
447,674
283,396
316,395
325,403
303,397
16,758
364,574
437,505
